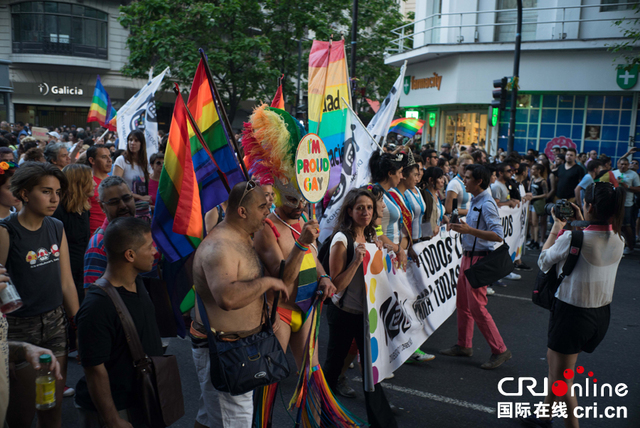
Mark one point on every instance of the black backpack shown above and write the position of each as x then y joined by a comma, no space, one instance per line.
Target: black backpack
547,283
323,256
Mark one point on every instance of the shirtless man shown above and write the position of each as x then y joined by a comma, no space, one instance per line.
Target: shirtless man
271,248
229,279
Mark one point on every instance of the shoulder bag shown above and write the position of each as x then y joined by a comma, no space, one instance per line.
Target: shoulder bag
323,256
157,378
242,365
491,268
547,284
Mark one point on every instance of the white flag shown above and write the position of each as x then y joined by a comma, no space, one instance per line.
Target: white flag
359,145
140,113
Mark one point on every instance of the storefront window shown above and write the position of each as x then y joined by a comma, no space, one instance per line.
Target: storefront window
53,28
466,128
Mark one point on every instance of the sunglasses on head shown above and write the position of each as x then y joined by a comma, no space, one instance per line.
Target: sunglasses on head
250,186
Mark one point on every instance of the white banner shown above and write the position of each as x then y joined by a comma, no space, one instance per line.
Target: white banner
405,308
140,113
358,148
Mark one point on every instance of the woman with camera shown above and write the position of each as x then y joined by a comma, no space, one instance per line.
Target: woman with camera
580,313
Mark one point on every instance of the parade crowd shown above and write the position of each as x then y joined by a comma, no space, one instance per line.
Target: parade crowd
76,211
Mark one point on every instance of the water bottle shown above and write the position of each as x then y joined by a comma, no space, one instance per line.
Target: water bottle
45,385
10,299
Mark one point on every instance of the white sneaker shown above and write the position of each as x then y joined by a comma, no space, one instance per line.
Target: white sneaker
490,291
419,356
627,251
513,276
391,376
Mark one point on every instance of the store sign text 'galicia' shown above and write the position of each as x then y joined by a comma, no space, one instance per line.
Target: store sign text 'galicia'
410,82
59,90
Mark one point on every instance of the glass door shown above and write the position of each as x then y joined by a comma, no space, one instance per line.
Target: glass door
466,128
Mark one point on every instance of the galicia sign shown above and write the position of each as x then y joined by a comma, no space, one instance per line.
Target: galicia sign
626,78
59,90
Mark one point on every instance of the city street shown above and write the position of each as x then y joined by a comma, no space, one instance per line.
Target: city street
455,392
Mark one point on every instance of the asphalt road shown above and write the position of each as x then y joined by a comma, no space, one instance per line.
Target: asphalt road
455,392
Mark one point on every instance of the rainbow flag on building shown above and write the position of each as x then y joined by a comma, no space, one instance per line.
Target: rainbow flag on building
190,186
406,126
101,110
328,83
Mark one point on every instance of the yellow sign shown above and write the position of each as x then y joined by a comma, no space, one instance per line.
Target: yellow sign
428,82
313,168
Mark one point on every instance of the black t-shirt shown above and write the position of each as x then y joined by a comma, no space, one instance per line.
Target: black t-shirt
76,227
33,264
101,340
568,179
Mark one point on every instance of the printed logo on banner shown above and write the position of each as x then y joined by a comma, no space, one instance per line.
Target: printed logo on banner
394,316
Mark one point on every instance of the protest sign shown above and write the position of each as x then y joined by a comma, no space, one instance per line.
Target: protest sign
39,134
312,168
514,222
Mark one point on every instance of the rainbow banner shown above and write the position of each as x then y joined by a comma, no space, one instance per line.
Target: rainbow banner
328,83
181,203
406,126
278,99
101,110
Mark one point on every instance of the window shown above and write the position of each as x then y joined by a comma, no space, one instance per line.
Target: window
53,28
507,33
616,5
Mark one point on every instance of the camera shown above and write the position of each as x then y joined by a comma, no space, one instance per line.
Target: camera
455,218
563,209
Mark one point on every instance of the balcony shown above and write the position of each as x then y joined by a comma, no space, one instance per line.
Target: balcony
459,31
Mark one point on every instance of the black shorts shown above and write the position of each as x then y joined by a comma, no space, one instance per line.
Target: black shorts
573,329
628,216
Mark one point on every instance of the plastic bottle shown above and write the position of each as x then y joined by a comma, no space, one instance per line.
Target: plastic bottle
45,385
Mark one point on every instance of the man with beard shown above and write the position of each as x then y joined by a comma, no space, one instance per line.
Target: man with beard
289,238
230,280
116,200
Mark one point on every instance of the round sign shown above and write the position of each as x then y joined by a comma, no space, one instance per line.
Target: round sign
312,168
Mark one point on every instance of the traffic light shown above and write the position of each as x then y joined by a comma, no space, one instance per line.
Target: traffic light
500,94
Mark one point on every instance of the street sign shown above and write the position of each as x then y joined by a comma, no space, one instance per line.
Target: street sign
627,78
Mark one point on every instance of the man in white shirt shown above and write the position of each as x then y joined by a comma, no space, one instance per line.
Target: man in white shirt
630,181
499,189
456,190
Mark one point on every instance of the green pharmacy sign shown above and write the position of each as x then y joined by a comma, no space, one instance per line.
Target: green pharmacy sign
494,116
627,78
432,119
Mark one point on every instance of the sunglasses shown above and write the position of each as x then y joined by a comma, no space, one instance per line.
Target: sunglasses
116,201
159,162
251,185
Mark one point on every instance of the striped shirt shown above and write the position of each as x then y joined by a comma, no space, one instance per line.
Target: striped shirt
95,259
391,219
416,204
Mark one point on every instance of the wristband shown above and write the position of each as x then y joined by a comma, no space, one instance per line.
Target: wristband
301,247
379,230
325,276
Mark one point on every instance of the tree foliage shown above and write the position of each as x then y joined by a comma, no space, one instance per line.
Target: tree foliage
250,43
630,28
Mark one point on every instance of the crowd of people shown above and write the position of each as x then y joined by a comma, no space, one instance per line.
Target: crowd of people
74,210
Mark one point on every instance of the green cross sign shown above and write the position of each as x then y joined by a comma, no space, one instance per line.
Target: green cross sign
407,85
627,78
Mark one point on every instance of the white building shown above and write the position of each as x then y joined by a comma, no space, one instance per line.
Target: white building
51,53
569,82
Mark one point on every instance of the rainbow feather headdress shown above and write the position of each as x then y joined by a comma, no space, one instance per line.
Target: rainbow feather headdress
270,140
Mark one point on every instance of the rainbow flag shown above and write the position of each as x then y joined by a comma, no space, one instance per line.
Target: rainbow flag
101,110
175,235
328,83
278,99
406,126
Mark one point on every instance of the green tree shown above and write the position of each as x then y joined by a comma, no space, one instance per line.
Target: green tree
631,31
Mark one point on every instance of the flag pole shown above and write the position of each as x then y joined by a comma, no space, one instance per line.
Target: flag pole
222,114
192,122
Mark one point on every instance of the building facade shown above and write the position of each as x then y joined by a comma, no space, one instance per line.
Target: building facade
52,52
571,89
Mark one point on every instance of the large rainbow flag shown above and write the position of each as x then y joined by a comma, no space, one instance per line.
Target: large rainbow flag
178,218
406,126
328,83
101,110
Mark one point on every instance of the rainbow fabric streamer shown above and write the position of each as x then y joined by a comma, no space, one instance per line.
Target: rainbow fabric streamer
101,110
328,83
178,218
263,402
316,404
406,126
278,99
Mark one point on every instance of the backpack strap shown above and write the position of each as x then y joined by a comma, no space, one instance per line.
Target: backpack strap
577,236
